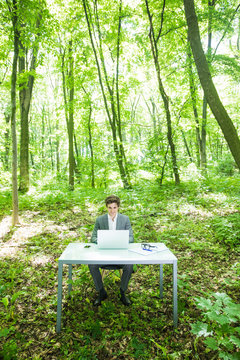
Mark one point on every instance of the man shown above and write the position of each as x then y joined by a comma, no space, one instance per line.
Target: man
112,221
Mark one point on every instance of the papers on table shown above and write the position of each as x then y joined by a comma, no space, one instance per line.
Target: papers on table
155,249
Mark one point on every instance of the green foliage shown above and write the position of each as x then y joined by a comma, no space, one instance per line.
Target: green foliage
182,217
227,229
220,315
226,166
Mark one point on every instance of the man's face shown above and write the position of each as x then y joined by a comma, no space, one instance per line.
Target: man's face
112,210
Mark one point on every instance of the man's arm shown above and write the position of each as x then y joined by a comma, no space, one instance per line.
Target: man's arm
129,227
94,233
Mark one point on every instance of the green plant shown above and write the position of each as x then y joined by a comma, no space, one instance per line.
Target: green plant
9,305
227,229
226,166
219,328
10,347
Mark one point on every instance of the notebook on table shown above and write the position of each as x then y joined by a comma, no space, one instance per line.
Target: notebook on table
113,239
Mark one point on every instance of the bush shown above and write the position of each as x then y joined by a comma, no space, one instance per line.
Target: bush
226,166
219,329
227,229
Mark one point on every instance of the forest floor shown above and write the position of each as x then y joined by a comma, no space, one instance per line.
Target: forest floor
199,222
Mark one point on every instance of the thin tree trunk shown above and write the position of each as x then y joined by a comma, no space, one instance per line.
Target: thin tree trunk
25,97
6,143
186,146
203,147
154,48
216,106
91,147
14,14
110,108
69,110
43,139
57,149
204,104
71,120
50,141
119,123
193,93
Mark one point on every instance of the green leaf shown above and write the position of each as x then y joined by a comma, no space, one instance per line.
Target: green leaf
5,302
227,356
233,310
237,329
223,297
211,343
203,303
220,319
164,350
15,296
200,329
226,343
235,340
5,332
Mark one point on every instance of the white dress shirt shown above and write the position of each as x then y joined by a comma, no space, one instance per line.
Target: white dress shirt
112,223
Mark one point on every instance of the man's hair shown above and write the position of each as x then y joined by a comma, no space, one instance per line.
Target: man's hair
112,199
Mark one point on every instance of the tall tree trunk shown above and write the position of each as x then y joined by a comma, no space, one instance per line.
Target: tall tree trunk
25,97
109,101
43,140
119,123
14,13
203,147
6,142
204,104
50,141
69,108
71,120
214,102
24,102
91,147
57,148
165,98
186,146
193,93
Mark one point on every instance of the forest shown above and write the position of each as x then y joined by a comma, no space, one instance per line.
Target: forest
137,98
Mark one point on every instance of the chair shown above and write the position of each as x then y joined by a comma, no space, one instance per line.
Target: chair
111,269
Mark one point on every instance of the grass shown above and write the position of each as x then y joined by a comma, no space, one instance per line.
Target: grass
198,222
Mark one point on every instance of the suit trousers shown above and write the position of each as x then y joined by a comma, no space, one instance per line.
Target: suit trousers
97,277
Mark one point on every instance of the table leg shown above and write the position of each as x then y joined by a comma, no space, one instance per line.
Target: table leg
161,281
175,301
59,297
69,278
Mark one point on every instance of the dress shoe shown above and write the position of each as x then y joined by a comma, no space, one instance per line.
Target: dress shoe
124,299
101,296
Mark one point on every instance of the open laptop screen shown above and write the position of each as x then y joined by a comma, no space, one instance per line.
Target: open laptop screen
113,239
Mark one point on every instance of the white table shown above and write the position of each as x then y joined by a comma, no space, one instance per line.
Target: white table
77,253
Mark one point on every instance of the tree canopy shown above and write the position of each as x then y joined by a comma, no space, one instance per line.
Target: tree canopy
113,93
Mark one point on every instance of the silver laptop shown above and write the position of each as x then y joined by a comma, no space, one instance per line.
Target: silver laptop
113,239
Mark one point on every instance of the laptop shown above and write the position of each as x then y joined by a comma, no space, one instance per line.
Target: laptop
113,239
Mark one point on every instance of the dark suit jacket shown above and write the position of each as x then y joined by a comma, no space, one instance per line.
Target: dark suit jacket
123,223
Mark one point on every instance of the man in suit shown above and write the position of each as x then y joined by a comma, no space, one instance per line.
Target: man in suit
112,221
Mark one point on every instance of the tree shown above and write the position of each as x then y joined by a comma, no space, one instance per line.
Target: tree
67,68
109,84
215,104
165,98
14,11
30,36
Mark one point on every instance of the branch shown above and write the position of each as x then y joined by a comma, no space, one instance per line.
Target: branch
162,19
96,59
225,31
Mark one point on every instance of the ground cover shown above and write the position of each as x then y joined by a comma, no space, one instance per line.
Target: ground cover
199,222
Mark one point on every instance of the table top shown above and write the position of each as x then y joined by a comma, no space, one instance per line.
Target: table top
77,253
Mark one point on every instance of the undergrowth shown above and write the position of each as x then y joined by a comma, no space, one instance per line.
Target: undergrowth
199,222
